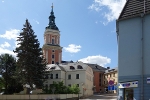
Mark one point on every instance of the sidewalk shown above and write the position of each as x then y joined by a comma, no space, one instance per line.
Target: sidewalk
102,96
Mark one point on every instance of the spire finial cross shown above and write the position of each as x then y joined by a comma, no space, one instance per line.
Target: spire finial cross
52,6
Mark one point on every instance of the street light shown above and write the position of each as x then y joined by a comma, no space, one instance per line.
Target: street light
83,88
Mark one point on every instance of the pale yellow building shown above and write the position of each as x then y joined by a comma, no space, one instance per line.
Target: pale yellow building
71,73
110,80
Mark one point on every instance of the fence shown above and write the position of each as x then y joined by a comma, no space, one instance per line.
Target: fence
40,97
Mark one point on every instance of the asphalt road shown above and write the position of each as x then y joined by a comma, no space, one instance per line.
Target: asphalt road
102,97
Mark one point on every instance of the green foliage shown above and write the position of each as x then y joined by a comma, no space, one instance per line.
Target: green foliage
75,89
2,85
30,64
8,67
60,88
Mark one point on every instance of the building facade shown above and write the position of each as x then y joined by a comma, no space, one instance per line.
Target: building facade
51,49
71,73
98,72
110,80
133,50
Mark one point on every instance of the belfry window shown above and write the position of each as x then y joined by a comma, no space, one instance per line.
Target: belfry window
52,41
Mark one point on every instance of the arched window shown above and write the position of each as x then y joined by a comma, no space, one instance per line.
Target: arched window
71,67
79,67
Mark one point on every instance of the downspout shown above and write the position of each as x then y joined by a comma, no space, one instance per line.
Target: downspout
142,54
142,58
65,78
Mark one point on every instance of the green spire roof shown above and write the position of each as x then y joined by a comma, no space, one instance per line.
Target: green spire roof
51,24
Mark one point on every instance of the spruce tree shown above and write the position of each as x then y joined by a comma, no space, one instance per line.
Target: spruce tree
31,64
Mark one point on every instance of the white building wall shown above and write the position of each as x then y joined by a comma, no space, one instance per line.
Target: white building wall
85,77
89,81
73,79
60,77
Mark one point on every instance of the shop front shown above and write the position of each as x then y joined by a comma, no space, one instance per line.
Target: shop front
128,89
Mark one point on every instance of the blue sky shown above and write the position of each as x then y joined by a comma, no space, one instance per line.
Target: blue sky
87,27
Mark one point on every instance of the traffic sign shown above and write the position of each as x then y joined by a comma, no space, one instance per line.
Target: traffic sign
111,82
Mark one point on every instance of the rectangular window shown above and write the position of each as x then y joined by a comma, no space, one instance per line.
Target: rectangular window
52,62
110,75
56,76
77,76
52,56
69,76
69,85
99,80
46,76
77,85
99,75
114,75
51,76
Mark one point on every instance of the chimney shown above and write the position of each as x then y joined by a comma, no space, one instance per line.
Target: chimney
96,66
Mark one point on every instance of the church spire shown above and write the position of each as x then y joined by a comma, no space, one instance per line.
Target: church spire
51,24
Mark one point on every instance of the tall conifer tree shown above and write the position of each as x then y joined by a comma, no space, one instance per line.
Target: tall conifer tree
31,64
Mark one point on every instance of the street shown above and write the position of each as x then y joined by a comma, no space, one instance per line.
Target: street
102,97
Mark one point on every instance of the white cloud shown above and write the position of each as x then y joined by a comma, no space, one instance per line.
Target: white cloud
37,22
16,44
6,44
114,8
98,59
12,34
72,48
96,22
95,6
3,51
3,1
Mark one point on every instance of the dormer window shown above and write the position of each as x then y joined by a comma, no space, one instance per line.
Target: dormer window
79,67
71,67
52,68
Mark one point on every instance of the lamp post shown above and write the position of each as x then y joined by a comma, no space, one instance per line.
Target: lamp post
83,88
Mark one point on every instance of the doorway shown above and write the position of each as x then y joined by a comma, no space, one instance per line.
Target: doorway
128,94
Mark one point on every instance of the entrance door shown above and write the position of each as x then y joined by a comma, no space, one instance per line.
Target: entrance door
128,94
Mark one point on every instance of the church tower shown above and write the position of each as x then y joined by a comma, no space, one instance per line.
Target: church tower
51,49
